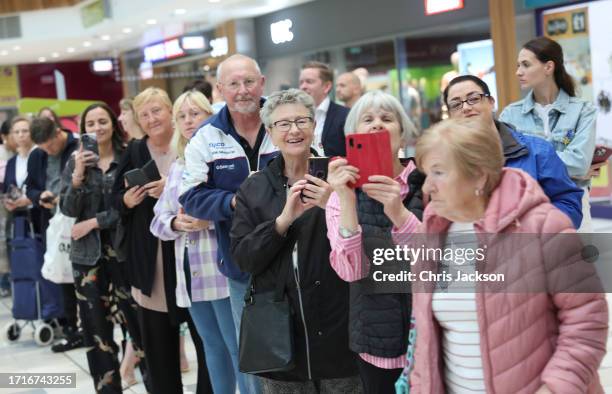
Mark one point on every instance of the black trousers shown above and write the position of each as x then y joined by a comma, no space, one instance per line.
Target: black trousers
69,321
377,380
104,299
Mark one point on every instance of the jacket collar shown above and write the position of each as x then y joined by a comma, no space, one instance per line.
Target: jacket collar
275,172
511,146
223,120
560,104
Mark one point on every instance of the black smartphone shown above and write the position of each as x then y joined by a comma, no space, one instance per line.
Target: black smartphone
48,199
136,177
89,143
317,167
151,171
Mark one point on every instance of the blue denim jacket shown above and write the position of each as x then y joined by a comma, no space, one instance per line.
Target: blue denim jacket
572,125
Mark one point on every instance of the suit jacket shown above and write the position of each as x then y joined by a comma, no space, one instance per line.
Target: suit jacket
332,137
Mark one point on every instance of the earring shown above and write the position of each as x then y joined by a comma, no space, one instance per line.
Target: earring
477,192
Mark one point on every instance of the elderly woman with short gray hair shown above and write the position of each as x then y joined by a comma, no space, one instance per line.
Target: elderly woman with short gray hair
279,226
359,218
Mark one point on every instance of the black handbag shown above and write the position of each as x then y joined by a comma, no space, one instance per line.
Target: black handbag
266,330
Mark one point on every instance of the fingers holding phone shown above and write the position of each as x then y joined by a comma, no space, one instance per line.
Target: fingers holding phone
134,196
387,191
154,189
341,175
48,200
316,191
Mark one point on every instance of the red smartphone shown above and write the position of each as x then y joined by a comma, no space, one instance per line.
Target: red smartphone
602,153
371,153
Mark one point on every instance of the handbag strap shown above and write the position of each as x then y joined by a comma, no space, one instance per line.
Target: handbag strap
279,289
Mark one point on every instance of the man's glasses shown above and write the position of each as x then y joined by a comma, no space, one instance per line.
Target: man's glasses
248,83
456,105
285,125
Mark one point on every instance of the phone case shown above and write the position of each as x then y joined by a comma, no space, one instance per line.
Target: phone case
317,167
151,171
89,143
371,153
136,177
602,153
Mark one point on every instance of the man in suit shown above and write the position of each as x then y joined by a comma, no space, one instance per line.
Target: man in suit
317,79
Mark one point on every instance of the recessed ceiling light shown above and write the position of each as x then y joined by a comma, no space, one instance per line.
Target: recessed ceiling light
180,11
16,48
70,49
42,59
86,44
3,52
214,1
151,21
126,30
55,54
105,37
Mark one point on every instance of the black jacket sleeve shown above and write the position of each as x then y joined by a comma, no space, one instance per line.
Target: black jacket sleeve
255,244
125,164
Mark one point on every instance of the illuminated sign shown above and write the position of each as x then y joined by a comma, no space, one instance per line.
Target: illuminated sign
164,50
439,6
220,47
189,43
281,31
102,66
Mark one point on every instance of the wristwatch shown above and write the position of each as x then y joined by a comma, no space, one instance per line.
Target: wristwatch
345,233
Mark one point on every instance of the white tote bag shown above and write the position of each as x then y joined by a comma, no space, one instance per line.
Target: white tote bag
57,266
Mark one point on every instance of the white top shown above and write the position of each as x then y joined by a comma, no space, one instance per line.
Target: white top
454,307
21,168
320,115
543,111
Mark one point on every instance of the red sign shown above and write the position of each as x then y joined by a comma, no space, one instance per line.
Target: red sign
438,6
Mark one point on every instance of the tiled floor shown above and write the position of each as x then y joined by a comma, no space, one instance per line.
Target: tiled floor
25,356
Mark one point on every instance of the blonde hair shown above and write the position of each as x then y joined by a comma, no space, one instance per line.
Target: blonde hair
19,118
194,97
474,146
149,94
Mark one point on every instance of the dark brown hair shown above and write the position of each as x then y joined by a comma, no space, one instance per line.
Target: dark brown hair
546,50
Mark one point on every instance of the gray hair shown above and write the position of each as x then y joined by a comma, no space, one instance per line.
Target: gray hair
237,56
289,96
377,99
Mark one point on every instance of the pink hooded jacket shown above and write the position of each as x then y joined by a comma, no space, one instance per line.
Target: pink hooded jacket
527,339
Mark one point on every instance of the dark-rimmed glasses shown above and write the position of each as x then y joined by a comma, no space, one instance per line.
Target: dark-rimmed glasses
285,125
456,105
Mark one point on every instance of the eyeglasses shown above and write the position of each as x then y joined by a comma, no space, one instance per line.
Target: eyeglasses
248,83
456,105
285,125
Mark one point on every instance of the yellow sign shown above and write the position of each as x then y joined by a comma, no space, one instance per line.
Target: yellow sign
9,86
566,24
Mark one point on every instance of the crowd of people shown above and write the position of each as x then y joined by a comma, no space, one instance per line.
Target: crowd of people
271,267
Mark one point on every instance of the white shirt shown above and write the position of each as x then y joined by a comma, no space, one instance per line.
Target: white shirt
21,168
320,115
543,111
454,308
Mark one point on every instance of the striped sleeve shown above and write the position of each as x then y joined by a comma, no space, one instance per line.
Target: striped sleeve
345,256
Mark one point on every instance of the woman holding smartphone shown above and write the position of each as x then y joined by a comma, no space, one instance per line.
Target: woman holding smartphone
356,218
552,111
86,192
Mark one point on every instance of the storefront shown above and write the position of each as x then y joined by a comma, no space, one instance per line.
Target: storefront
173,63
399,36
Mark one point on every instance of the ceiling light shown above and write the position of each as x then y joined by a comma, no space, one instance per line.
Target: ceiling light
16,48
3,52
70,49
151,21
42,59
180,11
126,30
105,37
214,1
55,54
86,44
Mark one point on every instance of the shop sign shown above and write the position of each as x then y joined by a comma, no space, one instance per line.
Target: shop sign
220,47
175,47
280,31
438,6
9,86
542,3
93,13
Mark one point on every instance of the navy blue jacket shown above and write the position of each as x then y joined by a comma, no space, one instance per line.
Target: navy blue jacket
215,167
332,137
539,159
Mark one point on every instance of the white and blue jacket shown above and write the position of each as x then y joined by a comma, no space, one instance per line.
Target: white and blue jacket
215,167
